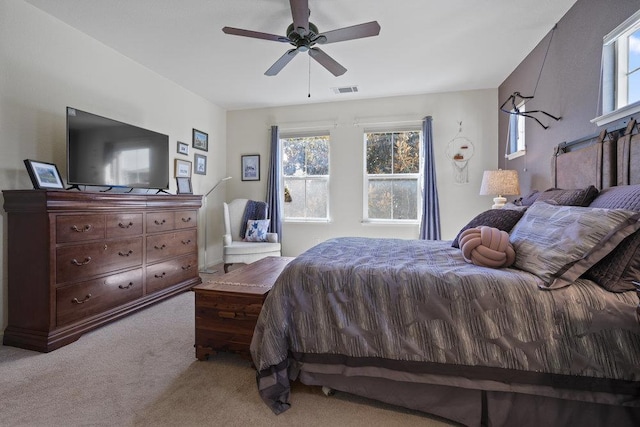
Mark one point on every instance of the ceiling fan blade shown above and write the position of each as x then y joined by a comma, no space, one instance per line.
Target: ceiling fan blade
254,34
327,62
300,14
359,31
281,62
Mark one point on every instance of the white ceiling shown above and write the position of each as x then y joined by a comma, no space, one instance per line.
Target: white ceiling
423,47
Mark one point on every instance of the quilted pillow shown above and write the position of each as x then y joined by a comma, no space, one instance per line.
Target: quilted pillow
559,243
257,230
616,271
579,197
502,219
487,247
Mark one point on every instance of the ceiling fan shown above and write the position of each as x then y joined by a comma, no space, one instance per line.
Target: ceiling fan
304,35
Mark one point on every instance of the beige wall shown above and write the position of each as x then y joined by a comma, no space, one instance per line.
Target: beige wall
248,133
46,65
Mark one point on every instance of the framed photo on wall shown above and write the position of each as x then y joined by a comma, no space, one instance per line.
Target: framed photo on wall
200,140
200,164
183,148
182,168
43,175
184,185
251,167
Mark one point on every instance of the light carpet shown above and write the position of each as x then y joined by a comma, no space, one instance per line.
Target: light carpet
142,371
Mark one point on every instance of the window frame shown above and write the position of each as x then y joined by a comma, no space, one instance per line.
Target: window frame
614,73
417,176
520,122
327,178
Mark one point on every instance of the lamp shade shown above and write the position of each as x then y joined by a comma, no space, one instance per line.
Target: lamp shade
500,183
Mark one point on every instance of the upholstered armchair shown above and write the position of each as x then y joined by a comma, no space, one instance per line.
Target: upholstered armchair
235,250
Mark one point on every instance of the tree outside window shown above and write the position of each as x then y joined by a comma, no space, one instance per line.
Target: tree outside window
392,175
305,170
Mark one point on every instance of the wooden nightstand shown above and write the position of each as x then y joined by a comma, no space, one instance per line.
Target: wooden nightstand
228,307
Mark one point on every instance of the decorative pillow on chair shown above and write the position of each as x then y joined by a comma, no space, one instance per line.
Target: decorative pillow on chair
257,230
559,243
502,219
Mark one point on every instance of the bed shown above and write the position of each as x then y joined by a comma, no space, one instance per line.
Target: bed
552,340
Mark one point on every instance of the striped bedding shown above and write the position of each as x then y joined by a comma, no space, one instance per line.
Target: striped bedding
415,306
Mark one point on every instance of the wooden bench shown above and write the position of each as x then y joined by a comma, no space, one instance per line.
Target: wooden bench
227,307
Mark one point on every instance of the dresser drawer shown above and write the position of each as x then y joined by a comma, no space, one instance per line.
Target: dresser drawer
80,261
169,273
79,228
77,301
186,219
123,225
167,245
160,221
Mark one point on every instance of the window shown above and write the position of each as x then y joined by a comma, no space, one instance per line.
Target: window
516,144
621,71
305,170
392,172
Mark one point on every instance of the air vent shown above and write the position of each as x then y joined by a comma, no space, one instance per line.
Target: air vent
345,89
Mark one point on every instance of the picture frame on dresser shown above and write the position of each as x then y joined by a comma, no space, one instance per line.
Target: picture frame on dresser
184,185
44,175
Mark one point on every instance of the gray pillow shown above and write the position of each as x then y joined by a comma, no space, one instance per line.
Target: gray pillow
621,267
502,219
578,197
559,243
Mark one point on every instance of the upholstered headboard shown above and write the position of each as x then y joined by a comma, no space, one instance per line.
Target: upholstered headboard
605,160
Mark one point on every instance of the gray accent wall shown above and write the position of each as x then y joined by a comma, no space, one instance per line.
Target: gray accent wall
568,86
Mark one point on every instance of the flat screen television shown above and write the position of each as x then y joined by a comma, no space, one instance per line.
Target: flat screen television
105,152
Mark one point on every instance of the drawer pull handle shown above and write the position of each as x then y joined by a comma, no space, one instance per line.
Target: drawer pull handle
81,230
86,261
121,225
186,267
186,242
160,222
77,301
125,253
160,247
186,219
126,287
160,276
227,314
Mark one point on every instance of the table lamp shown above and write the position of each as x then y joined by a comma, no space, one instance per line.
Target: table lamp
501,183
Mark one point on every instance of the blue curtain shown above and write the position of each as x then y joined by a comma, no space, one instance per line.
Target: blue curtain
273,184
430,225
513,134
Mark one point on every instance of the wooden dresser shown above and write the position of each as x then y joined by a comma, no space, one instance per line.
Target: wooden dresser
78,260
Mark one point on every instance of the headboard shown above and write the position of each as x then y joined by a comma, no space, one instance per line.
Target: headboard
607,159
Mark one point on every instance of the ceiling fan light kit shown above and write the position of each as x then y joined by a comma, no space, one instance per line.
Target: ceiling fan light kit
304,35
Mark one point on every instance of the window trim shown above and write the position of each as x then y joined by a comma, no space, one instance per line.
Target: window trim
366,176
327,178
610,74
521,149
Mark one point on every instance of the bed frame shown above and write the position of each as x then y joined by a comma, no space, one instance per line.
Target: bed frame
614,156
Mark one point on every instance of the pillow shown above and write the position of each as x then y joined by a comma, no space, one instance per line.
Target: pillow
559,243
257,230
502,219
530,199
616,271
487,247
580,197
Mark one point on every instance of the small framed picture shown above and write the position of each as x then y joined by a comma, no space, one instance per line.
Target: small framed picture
251,167
183,148
184,185
183,168
200,140
43,175
200,164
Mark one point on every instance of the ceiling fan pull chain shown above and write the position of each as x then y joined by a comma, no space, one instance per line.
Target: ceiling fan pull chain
309,92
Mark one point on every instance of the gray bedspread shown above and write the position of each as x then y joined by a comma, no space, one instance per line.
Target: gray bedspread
416,306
